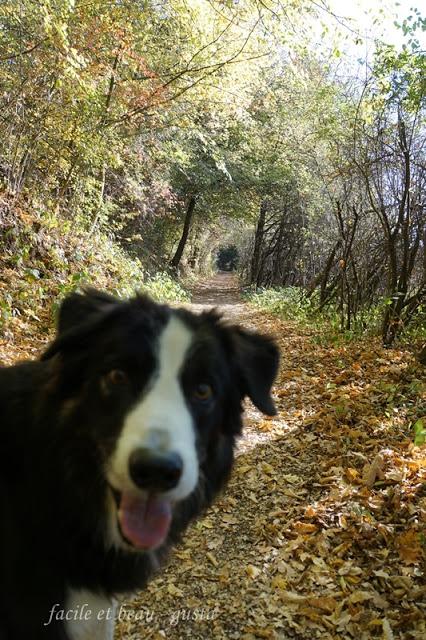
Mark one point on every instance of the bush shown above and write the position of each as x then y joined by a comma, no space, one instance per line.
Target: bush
41,261
164,288
290,303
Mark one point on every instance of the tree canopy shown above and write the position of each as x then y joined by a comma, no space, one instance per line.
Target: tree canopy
174,127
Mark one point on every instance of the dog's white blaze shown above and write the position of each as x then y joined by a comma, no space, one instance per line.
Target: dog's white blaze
92,616
161,416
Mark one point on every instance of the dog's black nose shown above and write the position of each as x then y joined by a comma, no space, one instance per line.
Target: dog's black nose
155,471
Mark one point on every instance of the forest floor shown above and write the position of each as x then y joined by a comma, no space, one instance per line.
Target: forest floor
321,531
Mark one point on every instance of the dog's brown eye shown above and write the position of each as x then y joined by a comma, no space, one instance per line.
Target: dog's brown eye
115,377
203,392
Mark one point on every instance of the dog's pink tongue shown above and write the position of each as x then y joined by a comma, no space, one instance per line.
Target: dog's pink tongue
145,522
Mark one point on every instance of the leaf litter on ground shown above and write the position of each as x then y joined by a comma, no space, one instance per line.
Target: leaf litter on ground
321,532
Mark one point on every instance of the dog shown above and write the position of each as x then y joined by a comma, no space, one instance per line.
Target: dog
111,443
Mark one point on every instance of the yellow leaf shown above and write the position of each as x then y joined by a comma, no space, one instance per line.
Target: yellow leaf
375,622
310,512
212,559
291,596
252,571
360,596
305,527
265,425
292,479
244,468
278,582
387,630
351,474
409,546
174,590
311,614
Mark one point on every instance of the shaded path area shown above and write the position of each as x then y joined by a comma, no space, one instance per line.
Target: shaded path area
222,290
319,534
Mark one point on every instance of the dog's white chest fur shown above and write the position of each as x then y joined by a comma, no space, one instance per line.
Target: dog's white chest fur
92,618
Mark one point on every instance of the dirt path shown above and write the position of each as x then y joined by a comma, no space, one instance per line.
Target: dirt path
200,594
220,291
319,534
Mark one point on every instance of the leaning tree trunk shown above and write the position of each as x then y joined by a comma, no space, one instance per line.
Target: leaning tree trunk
277,266
322,278
258,242
186,227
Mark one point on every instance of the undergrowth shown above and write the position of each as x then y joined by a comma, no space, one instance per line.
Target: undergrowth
292,303
41,260
164,288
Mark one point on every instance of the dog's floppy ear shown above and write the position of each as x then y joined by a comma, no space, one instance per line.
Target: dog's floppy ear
77,308
257,358
80,316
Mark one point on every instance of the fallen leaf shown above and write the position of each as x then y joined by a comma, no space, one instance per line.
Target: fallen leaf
252,571
325,603
173,590
387,630
212,559
305,527
371,472
409,546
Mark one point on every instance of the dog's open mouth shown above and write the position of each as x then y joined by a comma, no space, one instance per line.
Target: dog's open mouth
144,521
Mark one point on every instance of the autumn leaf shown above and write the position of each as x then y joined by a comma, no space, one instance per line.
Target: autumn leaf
371,472
252,571
409,546
305,527
327,604
173,590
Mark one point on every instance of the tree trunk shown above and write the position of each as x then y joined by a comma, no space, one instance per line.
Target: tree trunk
393,320
277,266
186,227
258,241
323,276
100,202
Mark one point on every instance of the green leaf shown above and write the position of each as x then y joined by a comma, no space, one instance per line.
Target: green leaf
419,433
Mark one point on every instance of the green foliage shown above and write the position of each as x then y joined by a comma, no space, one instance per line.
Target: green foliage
290,303
416,330
112,113
419,433
115,114
164,288
227,258
400,75
41,263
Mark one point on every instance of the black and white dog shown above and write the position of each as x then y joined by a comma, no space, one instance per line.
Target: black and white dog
110,444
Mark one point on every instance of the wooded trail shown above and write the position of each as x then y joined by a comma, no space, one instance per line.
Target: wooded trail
143,144
319,533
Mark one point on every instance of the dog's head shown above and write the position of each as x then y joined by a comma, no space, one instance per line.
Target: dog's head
157,393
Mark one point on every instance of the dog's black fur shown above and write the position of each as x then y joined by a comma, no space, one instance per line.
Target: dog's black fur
59,424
